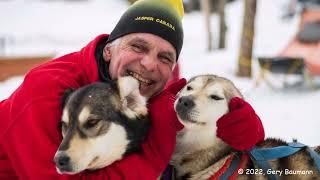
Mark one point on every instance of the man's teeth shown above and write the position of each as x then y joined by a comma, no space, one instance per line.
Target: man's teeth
139,78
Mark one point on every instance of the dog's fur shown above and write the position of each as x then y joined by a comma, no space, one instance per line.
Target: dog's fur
101,123
199,153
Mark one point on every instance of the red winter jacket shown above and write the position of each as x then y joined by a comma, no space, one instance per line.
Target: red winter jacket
29,136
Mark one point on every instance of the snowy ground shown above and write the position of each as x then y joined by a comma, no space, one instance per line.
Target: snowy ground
39,27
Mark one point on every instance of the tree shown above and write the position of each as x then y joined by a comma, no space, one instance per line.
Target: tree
214,6
132,1
205,7
247,37
222,26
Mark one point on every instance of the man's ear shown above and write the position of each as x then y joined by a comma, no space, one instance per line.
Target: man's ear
107,53
133,103
66,95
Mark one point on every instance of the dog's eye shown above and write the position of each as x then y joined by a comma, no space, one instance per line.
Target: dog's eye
91,123
189,88
62,124
215,97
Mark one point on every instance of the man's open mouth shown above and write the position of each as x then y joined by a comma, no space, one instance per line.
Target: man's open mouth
139,78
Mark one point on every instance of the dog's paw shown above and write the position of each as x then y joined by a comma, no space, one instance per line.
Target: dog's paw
133,103
127,85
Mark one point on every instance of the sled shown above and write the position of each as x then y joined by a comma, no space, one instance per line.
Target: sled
301,57
19,65
288,72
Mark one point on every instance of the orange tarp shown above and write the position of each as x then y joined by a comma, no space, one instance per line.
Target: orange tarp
310,52
17,66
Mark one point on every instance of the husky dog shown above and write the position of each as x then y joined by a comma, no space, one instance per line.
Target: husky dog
199,152
101,123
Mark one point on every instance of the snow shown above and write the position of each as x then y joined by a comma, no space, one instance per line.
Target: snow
40,27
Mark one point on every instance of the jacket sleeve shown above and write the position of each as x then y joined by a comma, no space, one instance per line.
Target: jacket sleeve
33,138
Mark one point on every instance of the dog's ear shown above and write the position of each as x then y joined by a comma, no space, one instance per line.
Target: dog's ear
133,103
65,96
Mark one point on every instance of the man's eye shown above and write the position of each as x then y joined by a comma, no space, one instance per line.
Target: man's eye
137,48
166,60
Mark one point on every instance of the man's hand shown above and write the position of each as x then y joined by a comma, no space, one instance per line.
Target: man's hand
241,128
161,106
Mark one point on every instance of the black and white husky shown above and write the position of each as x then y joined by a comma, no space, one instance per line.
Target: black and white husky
200,154
101,123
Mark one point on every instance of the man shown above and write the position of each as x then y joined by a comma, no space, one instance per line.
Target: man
145,44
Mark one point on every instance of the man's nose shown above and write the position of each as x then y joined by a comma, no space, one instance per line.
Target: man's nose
149,63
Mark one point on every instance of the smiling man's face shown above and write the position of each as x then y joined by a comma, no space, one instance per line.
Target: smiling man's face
146,57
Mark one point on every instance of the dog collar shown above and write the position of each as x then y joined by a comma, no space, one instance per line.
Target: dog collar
232,166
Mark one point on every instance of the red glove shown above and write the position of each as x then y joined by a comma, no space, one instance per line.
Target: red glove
161,106
241,128
161,139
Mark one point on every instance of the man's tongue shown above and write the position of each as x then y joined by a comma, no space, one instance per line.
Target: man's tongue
142,81
143,87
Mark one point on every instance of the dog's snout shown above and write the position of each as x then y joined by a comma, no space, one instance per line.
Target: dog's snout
62,161
186,102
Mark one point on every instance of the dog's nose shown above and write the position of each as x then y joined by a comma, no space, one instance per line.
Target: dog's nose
186,102
62,161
